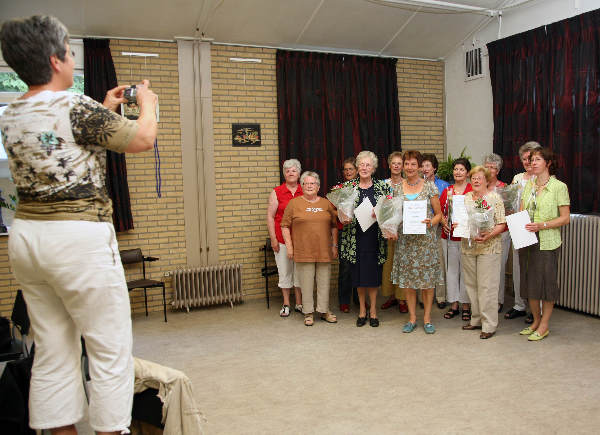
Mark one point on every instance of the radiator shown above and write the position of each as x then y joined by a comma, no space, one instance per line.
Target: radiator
207,285
579,264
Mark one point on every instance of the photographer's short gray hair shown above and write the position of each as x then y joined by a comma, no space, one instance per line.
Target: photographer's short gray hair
291,163
310,174
28,43
494,159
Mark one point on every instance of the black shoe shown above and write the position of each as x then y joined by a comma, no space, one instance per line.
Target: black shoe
500,307
529,319
361,321
513,314
374,322
441,305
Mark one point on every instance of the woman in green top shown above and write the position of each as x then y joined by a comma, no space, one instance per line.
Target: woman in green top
547,201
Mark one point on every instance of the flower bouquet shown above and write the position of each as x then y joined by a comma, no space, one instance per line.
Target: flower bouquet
511,196
343,196
389,215
481,217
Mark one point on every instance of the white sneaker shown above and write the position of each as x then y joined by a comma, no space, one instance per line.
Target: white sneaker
285,311
298,308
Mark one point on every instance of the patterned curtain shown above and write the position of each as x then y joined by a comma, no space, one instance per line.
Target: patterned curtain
546,87
99,77
333,106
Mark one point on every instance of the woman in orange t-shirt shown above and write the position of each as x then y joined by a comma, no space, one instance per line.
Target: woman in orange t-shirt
309,228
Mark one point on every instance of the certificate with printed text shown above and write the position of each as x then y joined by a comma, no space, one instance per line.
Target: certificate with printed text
413,215
460,217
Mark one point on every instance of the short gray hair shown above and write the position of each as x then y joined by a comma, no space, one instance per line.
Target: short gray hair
310,174
527,147
28,43
367,155
291,163
495,159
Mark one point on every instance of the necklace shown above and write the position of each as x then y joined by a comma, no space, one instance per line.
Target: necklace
413,184
540,186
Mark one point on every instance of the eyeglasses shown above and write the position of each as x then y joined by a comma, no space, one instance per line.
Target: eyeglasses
310,184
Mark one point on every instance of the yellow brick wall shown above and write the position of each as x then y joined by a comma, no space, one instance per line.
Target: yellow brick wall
159,223
244,177
421,98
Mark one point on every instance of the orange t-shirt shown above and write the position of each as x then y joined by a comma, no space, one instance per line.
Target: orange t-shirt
310,224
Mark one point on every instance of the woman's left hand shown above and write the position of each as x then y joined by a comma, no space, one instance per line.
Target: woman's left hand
427,222
334,251
534,227
482,237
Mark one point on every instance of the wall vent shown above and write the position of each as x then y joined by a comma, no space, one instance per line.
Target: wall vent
474,64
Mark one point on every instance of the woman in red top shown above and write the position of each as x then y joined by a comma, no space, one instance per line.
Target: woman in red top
456,291
278,201
493,163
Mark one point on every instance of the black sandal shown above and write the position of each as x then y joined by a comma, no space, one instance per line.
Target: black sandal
451,313
466,315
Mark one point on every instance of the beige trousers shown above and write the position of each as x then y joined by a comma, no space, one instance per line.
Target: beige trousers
482,275
307,272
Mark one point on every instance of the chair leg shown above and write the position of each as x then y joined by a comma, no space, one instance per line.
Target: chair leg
164,302
267,290
146,301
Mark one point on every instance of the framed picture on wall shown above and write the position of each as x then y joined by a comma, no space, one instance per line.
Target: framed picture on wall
245,135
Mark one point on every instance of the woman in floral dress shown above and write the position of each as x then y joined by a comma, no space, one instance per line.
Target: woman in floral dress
416,263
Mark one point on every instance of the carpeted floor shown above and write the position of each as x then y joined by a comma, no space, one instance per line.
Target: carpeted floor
256,373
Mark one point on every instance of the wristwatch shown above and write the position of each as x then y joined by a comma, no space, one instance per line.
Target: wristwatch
545,225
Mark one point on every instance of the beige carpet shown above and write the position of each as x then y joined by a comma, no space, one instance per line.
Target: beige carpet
255,373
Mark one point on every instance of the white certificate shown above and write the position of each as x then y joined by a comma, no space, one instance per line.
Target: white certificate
516,227
364,214
413,215
460,217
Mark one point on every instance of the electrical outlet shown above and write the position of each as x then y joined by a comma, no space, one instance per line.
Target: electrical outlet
167,274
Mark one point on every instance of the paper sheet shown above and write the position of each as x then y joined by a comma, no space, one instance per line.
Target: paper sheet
516,227
413,215
460,217
364,214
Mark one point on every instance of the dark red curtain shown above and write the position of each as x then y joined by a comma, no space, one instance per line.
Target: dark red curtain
99,77
333,106
546,87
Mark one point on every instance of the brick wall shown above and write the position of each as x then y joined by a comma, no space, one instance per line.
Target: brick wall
159,225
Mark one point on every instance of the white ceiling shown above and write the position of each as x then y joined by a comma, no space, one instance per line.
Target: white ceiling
382,27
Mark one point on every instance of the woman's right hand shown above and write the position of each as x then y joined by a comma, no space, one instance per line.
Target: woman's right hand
275,245
290,252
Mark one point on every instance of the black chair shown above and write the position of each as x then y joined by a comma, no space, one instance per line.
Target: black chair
20,323
267,270
133,256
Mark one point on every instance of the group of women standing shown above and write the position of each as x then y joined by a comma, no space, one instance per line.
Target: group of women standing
407,264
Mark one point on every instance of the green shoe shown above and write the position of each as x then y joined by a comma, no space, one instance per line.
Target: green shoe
409,327
429,328
527,331
537,337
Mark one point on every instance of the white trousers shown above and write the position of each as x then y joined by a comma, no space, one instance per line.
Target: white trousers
286,269
455,283
74,285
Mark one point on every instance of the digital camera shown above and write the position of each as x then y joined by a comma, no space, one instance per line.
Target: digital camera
130,94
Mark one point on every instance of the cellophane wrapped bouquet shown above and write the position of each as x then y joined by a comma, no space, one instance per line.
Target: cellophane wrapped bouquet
511,196
343,196
389,215
481,217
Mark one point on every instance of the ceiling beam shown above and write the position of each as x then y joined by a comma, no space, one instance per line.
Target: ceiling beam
312,17
402,27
